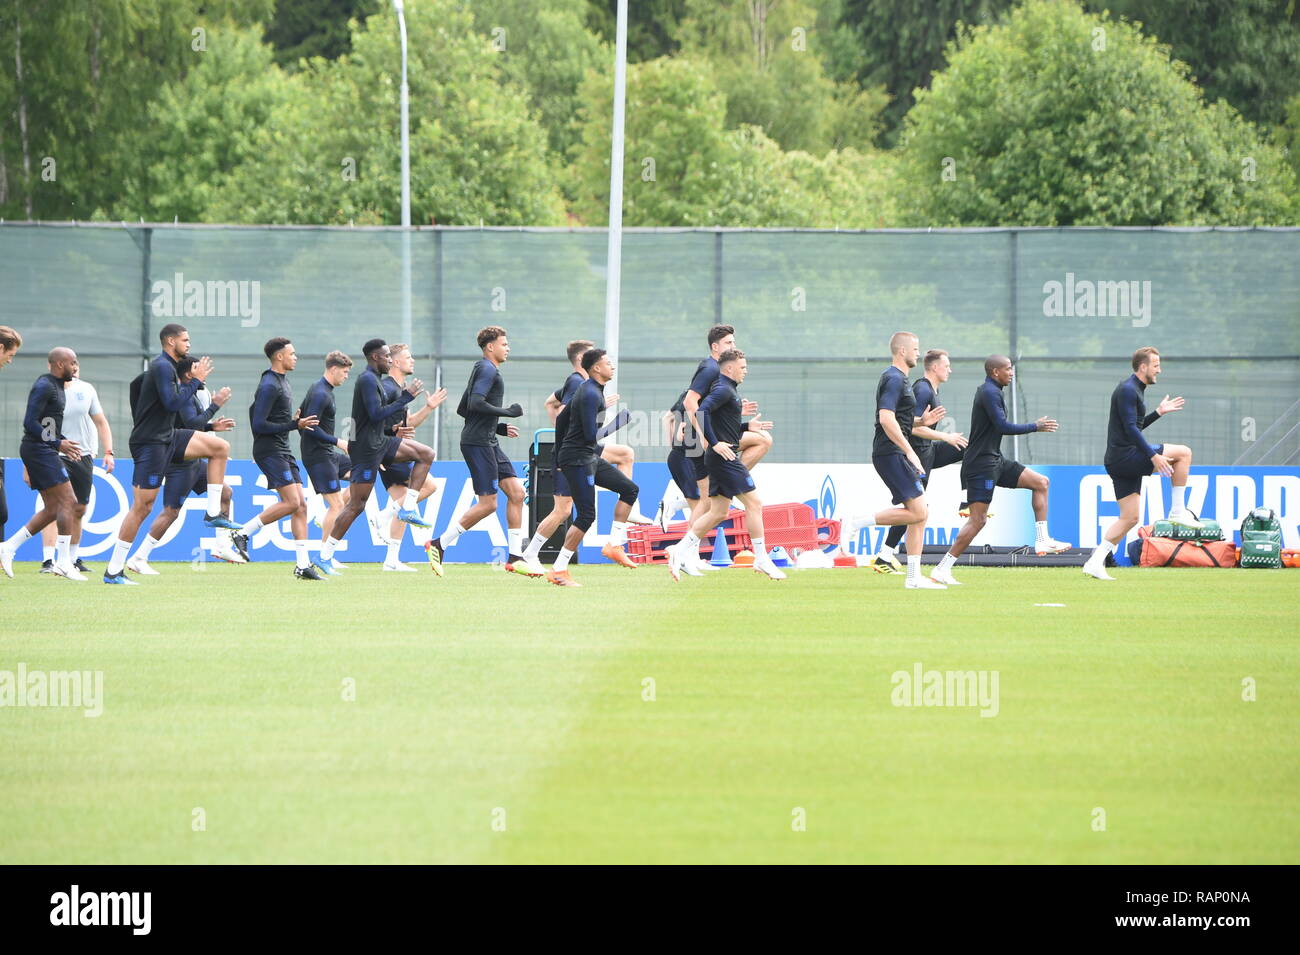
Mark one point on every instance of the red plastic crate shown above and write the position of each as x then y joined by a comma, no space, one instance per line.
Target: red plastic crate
792,526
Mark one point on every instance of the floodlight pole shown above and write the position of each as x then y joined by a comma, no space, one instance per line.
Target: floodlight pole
614,256
406,182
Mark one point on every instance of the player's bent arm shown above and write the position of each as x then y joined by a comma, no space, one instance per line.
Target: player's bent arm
380,411
692,405
553,407
415,419
999,416
105,433
31,419
315,405
889,422
923,431
171,392
1132,427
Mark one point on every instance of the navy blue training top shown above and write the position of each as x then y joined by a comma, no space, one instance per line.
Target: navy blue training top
1128,419
988,423
583,415
318,443
161,398
893,393
706,374
43,420
271,414
719,414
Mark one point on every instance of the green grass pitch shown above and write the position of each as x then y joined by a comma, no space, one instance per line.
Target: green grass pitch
500,719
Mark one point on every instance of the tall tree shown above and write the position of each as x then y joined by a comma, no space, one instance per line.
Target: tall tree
769,60
545,49
1060,117
329,153
302,29
1246,52
77,78
902,44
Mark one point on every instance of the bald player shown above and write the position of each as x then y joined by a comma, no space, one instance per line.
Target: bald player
42,444
984,468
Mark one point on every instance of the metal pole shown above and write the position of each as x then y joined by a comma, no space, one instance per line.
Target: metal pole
406,181
1014,336
614,257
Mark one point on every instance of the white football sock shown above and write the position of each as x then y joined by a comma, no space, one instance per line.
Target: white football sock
251,526
47,552
62,544
760,552
515,540
1098,556
75,550
690,545
214,500
450,535
562,561
146,547
1178,502
327,549
412,499
115,563
913,566
945,565
1040,531
20,535
300,554
886,552
618,533
393,554
534,546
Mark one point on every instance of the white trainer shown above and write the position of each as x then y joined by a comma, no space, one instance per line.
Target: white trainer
921,582
533,566
6,561
68,571
1097,571
138,565
226,551
769,568
399,567
682,563
380,526
1050,546
947,579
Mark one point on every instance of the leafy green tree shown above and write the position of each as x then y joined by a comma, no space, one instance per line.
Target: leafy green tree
685,168
330,151
1059,117
1246,52
545,49
204,127
651,26
75,77
901,44
767,56
302,29
1288,133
